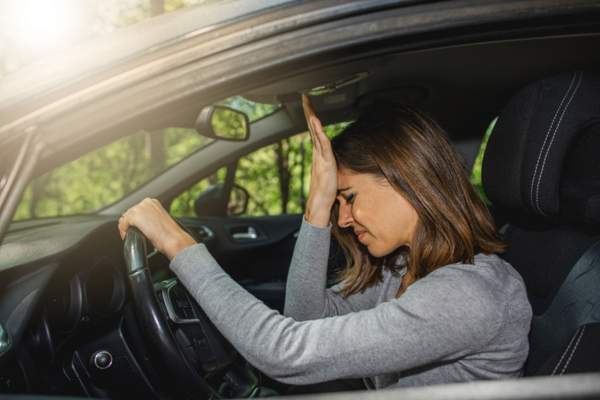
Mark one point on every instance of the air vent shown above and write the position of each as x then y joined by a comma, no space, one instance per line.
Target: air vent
181,303
177,302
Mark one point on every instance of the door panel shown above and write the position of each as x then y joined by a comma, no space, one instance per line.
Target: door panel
255,251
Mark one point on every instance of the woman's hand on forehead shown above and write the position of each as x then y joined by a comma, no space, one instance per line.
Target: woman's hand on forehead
323,182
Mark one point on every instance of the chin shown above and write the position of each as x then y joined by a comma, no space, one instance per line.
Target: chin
378,252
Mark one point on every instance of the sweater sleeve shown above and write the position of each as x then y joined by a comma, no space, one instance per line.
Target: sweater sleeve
441,318
306,294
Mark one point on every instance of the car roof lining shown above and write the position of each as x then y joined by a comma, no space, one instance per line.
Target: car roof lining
464,87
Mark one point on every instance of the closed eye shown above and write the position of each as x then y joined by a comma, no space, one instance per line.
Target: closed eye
348,198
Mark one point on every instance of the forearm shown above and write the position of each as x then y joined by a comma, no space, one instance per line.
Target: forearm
305,290
282,348
306,294
394,336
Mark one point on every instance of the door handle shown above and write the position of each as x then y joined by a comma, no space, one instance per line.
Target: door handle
250,234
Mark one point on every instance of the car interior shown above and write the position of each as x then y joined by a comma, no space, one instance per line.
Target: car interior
79,318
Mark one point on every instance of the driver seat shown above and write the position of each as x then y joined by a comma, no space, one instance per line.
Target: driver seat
541,170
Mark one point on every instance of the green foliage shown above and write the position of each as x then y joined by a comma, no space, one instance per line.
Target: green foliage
228,124
476,172
87,19
108,174
277,177
183,205
253,110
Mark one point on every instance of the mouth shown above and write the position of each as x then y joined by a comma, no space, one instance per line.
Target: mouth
360,235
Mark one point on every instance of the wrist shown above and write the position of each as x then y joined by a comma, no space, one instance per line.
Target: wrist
319,219
177,244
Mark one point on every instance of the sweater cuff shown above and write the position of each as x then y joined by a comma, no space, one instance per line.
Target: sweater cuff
308,225
186,262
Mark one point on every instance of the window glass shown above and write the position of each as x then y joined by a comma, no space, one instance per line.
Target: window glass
110,173
106,175
476,172
277,177
253,110
183,205
32,30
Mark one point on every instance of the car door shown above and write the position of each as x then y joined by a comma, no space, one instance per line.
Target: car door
249,212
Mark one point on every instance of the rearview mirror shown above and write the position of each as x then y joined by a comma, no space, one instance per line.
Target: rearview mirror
224,123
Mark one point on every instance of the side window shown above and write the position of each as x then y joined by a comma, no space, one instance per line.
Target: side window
476,172
106,175
184,205
275,179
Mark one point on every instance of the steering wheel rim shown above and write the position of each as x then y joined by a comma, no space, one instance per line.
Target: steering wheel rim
152,320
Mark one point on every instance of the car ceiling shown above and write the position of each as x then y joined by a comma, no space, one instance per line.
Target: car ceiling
464,87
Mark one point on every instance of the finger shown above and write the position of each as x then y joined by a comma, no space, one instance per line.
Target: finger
309,115
319,133
308,110
126,221
315,139
119,227
307,107
123,226
324,141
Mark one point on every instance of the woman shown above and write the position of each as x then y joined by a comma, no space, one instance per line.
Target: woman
423,300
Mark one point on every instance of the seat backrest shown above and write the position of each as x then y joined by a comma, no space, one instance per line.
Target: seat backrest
541,169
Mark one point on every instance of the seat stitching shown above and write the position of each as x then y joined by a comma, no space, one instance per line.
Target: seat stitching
564,111
565,352
573,352
546,137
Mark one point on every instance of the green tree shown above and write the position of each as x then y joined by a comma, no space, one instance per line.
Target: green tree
477,165
277,177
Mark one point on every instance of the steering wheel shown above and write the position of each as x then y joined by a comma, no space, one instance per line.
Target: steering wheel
155,325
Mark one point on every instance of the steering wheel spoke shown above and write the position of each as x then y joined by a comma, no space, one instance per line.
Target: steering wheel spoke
186,348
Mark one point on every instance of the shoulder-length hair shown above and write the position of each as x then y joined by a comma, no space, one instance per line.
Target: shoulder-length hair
413,153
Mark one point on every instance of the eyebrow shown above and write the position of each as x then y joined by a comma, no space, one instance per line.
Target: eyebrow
344,189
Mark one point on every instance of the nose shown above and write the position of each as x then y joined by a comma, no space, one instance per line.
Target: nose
345,215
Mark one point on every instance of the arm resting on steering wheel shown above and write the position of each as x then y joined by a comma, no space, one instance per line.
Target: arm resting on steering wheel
445,317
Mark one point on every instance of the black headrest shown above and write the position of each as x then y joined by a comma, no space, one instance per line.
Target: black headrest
543,158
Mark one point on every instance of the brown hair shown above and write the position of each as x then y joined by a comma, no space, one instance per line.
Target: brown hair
413,153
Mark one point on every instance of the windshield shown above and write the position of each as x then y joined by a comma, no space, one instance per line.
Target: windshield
36,29
110,173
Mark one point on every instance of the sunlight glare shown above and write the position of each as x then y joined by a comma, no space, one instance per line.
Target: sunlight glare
42,24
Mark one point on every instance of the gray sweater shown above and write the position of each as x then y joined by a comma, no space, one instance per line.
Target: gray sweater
461,322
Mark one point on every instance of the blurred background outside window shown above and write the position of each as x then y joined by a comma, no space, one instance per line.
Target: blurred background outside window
34,29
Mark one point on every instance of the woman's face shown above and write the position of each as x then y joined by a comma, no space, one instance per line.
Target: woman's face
380,217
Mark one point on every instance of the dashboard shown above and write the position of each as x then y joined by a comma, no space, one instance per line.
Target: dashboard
62,282
77,326
64,300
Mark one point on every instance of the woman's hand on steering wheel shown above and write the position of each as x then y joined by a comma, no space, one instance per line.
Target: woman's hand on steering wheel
158,226
323,176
